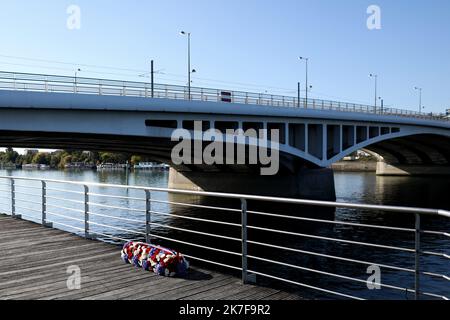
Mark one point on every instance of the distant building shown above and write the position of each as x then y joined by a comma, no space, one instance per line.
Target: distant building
31,151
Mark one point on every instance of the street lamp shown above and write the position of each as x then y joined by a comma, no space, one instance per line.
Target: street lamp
420,98
307,88
188,34
376,87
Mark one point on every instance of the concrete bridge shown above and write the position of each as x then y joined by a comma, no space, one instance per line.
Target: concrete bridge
45,111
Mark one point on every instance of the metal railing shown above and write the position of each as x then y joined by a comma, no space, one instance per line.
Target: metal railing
150,214
65,84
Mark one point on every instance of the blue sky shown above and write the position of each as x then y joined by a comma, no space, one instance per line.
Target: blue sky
248,45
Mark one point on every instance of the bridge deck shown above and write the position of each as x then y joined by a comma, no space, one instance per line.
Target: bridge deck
35,259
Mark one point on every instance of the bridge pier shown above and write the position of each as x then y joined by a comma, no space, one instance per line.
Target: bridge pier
313,184
386,169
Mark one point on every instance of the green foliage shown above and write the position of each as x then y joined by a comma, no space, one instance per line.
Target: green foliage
60,158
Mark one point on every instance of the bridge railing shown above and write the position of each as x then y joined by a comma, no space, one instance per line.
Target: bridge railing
65,84
330,256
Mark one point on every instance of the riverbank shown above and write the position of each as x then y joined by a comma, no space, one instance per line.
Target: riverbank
355,166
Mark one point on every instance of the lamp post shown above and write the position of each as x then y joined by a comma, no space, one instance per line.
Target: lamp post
152,78
76,79
376,88
188,34
420,98
307,88
382,105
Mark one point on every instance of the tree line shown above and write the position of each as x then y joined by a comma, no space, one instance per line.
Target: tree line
61,158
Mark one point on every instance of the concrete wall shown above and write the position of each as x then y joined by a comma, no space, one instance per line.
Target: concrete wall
385,169
355,166
315,184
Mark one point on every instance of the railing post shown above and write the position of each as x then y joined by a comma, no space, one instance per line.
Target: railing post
44,205
148,217
13,199
417,256
244,240
86,211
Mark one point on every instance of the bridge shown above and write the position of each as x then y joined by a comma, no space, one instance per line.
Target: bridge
47,111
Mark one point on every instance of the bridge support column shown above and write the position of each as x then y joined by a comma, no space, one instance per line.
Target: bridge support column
315,184
386,169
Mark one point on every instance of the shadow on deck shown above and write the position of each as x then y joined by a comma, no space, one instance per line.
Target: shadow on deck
35,262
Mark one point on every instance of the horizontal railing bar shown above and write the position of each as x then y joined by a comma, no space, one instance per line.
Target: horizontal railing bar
115,228
65,208
65,217
437,275
197,219
331,239
433,295
304,285
329,274
195,232
195,206
63,190
65,225
2,190
64,199
435,212
116,218
438,254
330,256
196,245
5,204
114,207
332,222
115,197
437,233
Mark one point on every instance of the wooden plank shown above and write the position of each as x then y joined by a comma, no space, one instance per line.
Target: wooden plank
36,259
167,291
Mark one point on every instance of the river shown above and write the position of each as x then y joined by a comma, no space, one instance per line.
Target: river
350,187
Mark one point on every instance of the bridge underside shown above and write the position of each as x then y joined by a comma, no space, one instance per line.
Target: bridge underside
413,155
296,177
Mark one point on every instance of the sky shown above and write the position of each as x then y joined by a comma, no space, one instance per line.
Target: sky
250,45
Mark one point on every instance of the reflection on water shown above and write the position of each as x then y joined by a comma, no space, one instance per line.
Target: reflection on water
359,187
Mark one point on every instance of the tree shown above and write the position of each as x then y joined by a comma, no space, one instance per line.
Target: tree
41,158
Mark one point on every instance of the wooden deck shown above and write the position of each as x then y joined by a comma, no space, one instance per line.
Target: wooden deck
34,262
